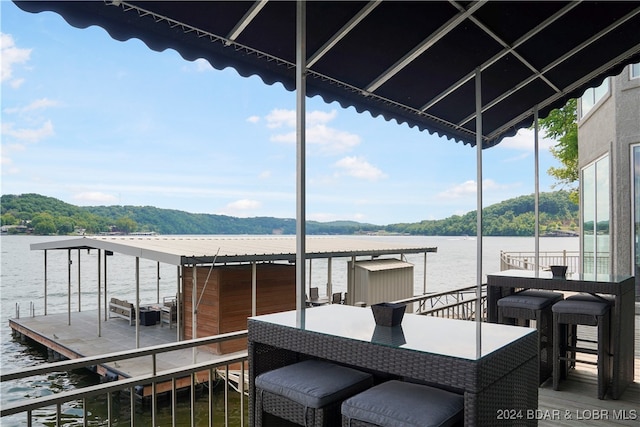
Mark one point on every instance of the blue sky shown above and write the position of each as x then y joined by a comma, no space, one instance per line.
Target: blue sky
94,121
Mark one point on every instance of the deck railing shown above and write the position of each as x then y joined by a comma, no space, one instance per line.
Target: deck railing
82,395
526,260
460,303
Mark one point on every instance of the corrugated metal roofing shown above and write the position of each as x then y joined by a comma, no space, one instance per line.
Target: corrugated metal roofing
383,264
203,250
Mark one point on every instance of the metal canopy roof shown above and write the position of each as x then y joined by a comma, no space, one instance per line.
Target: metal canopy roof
203,250
410,61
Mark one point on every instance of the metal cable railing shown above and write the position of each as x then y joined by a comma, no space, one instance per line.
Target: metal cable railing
194,372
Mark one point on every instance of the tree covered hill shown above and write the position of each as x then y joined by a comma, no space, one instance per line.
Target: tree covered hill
47,215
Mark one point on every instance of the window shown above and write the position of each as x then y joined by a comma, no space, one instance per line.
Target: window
591,97
635,171
595,218
634,71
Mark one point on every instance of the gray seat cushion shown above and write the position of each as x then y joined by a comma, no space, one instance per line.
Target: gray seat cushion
589,297
550,295
402,404
524,301
576,306
531,299
314,383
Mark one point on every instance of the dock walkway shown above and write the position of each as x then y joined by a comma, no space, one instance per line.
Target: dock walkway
80,339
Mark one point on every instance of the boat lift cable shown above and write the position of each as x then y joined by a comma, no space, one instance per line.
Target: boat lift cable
206,281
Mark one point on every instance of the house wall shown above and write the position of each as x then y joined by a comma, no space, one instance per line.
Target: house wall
226,301
611,127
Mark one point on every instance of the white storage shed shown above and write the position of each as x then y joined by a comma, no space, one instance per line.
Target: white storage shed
380,280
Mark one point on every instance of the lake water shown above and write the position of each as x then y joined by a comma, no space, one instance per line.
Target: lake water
22,278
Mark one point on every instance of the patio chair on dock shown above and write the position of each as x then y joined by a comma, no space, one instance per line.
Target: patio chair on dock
522,307
567,315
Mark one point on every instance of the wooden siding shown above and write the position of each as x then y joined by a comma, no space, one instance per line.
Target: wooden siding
226,300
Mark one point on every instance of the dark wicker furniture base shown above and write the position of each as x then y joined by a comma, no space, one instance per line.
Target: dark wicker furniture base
307,393
538,308
504,380
566,316
620,288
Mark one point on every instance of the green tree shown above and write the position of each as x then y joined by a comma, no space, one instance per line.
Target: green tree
9,219
43,223
561,125
126,224
64,224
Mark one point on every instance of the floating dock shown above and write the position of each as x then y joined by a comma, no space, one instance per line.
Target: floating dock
80,339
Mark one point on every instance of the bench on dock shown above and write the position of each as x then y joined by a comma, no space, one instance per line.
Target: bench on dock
168,311
124,309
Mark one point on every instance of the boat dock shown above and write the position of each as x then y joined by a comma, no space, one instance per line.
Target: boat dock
80,339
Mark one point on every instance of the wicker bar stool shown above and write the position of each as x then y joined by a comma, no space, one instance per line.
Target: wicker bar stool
529,305
567,315
396,403
307,393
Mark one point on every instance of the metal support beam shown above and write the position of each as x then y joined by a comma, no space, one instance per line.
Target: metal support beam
99,295
254,289
301,48
79,291
478,87
536,204
69,262
137,304
106,302
45,282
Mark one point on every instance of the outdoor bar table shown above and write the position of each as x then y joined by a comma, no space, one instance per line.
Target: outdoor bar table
622,288
494,366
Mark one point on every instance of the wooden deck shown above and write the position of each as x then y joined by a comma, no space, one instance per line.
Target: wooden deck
576,404
81,339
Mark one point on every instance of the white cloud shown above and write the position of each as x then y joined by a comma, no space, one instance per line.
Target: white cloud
202,65
241,207
279,117
253,119
265,174
95,197
38,104
326,139
468,188
16,83
7,165
28,135
358,168
524,140
11,56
